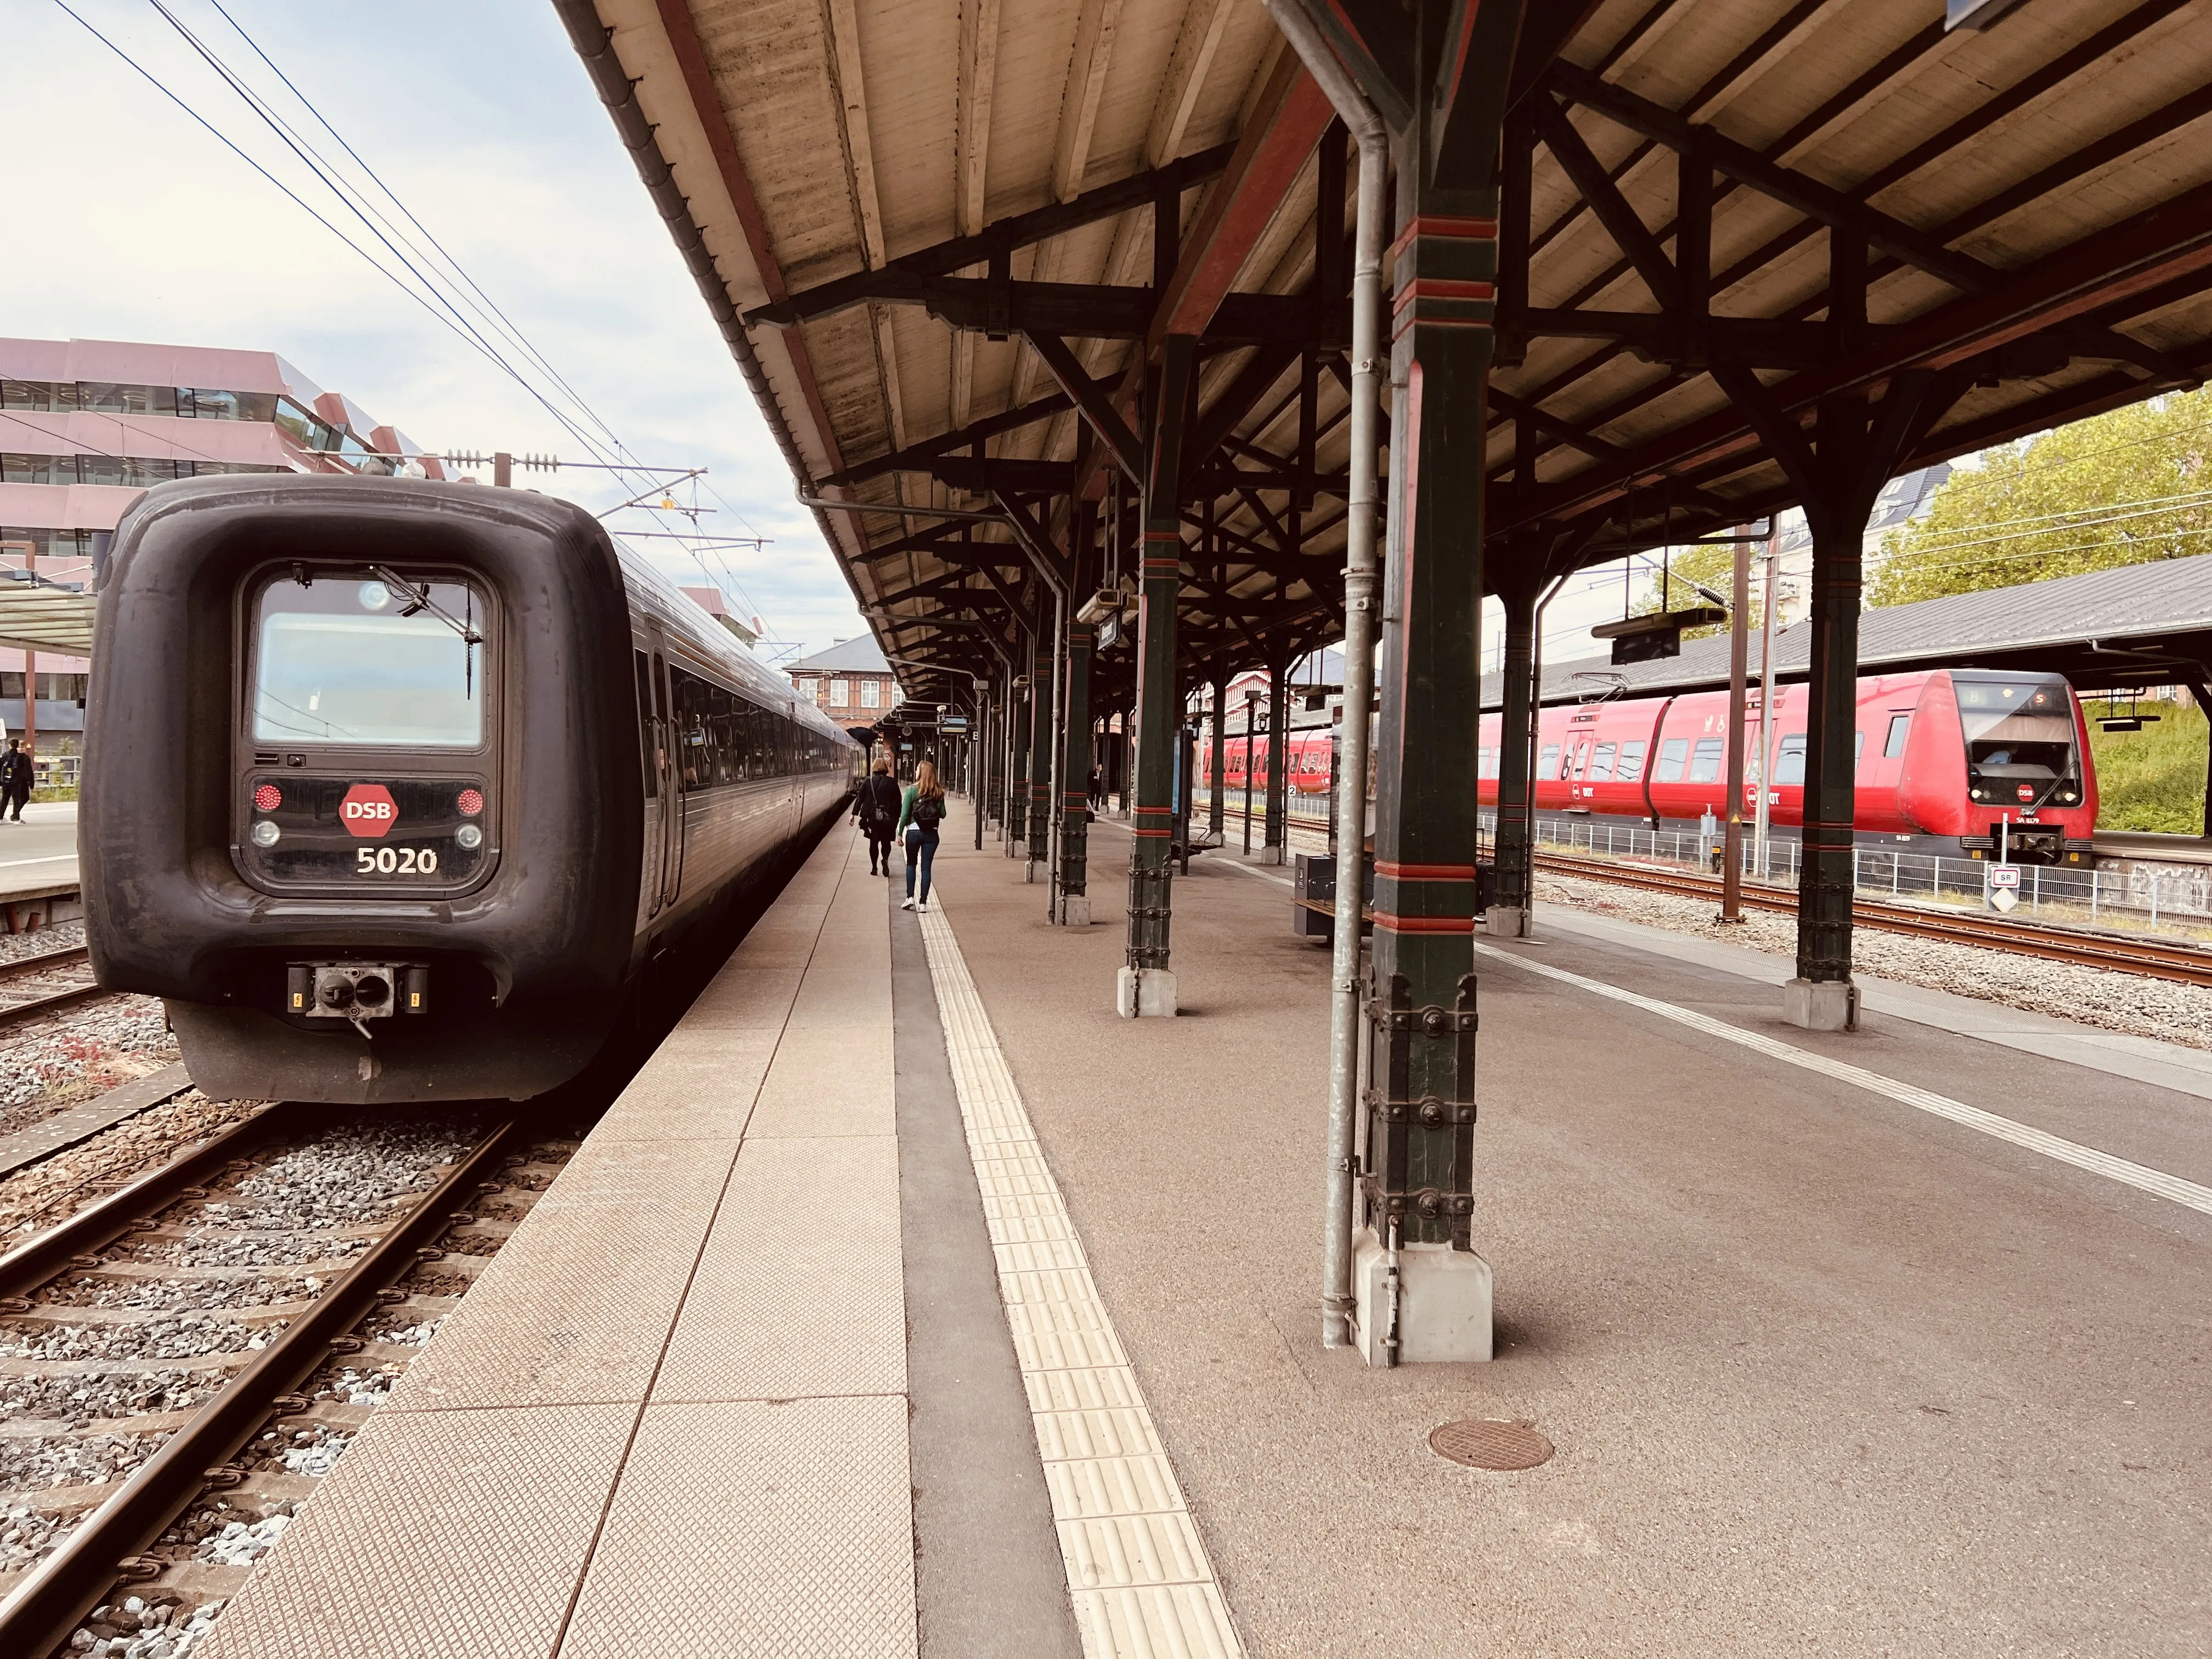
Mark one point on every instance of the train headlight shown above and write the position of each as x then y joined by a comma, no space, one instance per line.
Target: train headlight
469,835
373,596
266,833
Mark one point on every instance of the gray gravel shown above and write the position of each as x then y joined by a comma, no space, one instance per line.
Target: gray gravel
2157,1008
157,1626
86,1051
77,1401
187,1336
61,936
78,1460
179,1294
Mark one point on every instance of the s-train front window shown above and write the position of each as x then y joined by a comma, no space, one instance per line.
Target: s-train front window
369,660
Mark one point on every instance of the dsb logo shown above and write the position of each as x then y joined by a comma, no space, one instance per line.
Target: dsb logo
368,811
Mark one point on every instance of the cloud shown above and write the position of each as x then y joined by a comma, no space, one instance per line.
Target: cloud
129,221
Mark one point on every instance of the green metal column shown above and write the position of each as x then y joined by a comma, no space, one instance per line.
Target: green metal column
1421,1137
1278,776
1825,888
1075,756
1017,748
1509,910
1042,701
1145,985
1218,807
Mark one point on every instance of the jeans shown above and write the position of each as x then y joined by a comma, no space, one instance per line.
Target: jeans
920,848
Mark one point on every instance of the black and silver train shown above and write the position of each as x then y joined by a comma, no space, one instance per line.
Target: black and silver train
403,788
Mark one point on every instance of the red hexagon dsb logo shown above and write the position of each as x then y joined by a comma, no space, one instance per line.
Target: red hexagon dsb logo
368,810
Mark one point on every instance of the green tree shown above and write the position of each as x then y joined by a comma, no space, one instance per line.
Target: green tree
2121,489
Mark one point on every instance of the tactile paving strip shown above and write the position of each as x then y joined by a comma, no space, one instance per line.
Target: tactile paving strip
1137,1570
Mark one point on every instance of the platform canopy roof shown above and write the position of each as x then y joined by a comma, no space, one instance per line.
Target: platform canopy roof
45,617
2143,624
943,239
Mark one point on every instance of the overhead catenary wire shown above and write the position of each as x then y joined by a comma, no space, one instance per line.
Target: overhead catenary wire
429,284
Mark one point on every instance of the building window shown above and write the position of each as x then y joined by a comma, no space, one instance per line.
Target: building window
870,694
837,694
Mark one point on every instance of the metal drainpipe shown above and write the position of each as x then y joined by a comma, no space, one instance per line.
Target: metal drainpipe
1361,583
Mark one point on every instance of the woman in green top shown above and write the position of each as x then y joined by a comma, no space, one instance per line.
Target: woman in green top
920,814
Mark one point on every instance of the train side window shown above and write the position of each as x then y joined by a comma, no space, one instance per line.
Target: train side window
1631,766
1790,765
645,726
1894,745
1706,763
1672,754
1544,761
1602,767
1858,751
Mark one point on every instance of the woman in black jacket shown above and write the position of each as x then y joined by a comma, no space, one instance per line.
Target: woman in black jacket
876,810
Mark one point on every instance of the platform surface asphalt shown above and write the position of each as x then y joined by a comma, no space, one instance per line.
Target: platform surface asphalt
1824,1373
39,853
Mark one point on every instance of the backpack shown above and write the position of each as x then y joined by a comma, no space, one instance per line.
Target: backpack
928,810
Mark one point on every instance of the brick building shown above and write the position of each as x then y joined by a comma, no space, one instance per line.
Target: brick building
850,682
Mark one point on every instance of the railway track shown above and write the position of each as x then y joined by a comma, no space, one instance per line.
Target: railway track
241,1318
32,988
2154,958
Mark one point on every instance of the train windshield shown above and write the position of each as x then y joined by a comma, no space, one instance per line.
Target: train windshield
2017,731
369,660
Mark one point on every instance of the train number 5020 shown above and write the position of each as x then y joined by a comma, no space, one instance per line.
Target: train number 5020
395,860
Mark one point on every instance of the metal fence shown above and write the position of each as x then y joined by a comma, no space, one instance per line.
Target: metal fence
2134,897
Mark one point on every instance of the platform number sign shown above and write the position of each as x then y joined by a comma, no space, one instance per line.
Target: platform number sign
368,811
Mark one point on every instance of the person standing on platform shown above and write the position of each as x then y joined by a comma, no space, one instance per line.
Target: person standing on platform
919,817
15,779
876,810
1097,785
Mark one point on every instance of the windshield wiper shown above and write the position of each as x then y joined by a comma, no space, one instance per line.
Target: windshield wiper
421,600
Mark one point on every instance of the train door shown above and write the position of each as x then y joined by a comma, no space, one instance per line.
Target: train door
671,777
653,744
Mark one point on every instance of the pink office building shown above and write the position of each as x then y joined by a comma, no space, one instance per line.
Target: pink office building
86,425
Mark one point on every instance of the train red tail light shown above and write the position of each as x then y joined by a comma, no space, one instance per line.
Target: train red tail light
471,802
267,798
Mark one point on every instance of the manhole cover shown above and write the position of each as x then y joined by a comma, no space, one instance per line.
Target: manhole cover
1483,1442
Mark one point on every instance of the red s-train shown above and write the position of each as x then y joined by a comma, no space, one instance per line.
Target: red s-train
1944,758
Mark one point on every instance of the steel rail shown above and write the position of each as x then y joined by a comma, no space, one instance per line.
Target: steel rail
17,1013
53,1601
2153,958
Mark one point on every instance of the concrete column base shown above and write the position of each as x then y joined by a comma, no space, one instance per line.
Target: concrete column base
1029,873
1016,848
1075,910
1821,1005
1506,921
1268,855
1444,1303
1144,993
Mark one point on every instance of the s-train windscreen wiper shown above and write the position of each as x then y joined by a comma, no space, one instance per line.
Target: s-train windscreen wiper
420,599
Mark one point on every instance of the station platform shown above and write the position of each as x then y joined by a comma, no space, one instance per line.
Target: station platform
911,1302
38,868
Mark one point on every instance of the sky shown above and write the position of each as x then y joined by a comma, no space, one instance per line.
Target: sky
138,224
